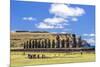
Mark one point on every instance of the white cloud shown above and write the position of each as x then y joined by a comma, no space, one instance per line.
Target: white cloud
13,31
43,25
63,32
29,18
90,35
54,32
65,11
54,20
85,34
61,14
74,19
58,26
90,41
67,29
66,24
90,38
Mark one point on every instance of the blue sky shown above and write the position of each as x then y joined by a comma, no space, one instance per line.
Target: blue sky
56,18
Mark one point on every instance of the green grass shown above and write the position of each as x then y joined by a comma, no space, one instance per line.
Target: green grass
18,59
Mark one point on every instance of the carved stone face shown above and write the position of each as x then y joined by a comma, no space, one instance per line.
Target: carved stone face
57,37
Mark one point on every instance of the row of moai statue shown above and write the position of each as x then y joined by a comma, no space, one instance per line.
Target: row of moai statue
55,43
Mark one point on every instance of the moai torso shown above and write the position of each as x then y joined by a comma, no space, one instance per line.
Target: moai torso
57,41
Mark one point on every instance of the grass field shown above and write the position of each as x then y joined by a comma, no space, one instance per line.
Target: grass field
19,59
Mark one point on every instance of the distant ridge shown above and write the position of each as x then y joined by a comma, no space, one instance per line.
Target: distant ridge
21,31
34,31
85,43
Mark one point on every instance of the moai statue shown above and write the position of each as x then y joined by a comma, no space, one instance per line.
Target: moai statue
32,43
62,43
57,41
42,44
79,42
35,43
66,45
53,44
39,44
24,45
49,43
70,43
74,40
67,41
29,43
46,43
